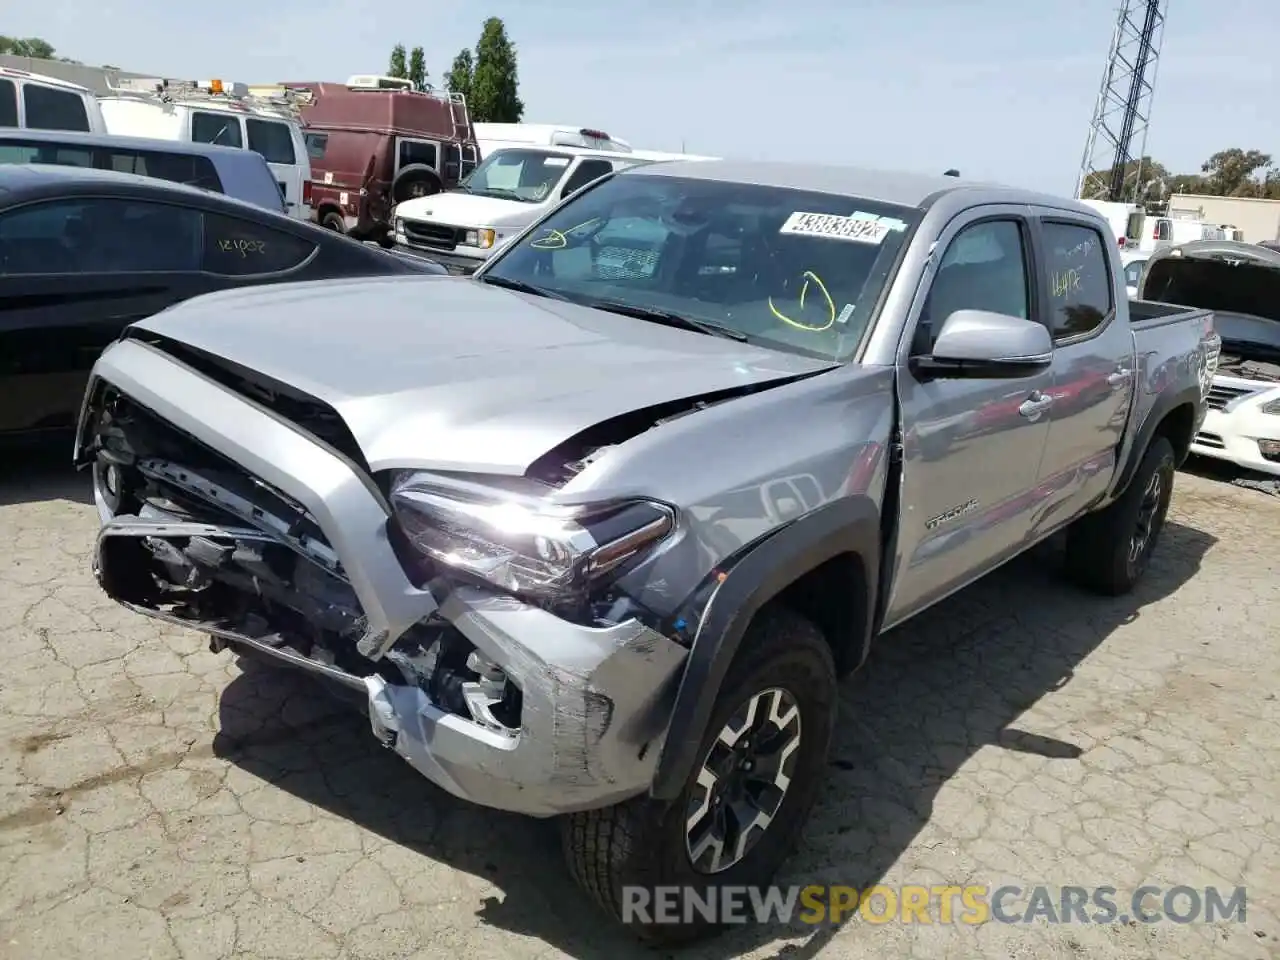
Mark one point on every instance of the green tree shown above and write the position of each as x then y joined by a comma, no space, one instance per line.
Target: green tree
495,82
1237,173
397,67
31,47
418,69
1145,182
458,79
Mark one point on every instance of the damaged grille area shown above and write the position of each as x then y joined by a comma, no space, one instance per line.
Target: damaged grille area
197,541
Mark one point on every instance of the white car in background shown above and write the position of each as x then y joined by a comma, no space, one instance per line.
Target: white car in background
1133,264
1240,283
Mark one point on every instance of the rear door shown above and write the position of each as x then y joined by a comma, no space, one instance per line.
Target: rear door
1093,361
73,274
971,447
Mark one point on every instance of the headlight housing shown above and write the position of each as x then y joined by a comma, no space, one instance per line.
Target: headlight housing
480,237
1271,407
519,545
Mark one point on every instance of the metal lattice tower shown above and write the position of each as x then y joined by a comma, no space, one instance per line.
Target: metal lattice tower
1118,133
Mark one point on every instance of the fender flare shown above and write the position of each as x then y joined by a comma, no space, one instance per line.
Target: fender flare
756,575
1165,404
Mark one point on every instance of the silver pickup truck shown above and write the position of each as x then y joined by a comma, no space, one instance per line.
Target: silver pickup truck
595,532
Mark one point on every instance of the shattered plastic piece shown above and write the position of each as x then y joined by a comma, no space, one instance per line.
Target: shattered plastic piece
1270,485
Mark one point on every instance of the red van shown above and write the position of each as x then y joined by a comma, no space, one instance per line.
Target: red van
375,142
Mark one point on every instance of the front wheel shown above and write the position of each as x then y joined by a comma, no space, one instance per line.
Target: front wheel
740,814
333,221
1109,551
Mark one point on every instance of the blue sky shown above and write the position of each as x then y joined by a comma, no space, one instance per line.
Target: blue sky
1001,89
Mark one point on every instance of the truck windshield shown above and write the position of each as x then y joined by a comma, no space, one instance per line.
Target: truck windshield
525,175
788,269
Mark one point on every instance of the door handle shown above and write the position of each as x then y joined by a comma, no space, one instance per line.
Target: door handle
1034,405
1120,377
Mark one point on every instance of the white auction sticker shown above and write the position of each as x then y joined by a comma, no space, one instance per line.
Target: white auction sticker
857,228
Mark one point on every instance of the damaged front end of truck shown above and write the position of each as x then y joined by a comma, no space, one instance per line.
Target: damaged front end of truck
478,633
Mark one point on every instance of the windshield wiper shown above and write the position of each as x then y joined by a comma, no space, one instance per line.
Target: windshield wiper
519,286
668,318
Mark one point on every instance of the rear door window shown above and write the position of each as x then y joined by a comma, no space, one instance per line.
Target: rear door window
417,151
1080,284
174,167
242,248
272,139
8,104
219,128
99,235
50,109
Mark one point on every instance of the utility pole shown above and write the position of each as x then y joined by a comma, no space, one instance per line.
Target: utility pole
1122,112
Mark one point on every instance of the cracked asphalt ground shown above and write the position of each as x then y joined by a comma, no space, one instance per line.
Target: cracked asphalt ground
158,801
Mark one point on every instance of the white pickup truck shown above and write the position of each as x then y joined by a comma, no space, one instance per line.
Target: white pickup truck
510,189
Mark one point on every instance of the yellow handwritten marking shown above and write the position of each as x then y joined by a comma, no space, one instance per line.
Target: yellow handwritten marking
1064,282
558,239
809,275
242,247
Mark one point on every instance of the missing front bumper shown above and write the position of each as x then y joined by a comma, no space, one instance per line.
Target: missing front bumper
593,701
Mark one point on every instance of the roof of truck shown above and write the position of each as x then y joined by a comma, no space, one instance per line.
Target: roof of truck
15,73
906,189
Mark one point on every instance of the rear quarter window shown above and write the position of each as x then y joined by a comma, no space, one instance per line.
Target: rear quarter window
50,109
317,143
272,139
242,248
8,104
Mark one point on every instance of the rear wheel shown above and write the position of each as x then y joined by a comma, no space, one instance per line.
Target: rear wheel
333,221
741,812
1109,551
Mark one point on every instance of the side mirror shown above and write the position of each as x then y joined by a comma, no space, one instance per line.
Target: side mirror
980,345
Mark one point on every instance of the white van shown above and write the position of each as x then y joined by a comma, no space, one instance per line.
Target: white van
37,102
496,136
1175,231
1127,221
510,189
218,112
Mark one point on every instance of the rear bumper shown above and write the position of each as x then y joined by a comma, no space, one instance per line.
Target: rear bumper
595,701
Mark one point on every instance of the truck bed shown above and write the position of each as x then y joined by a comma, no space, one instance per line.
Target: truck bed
1144,314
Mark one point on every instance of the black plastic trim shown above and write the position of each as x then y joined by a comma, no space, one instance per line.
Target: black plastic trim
1165,405
769,565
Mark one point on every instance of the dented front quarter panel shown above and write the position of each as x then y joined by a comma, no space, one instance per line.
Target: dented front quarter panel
740,470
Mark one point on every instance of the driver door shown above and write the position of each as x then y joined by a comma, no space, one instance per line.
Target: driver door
971,447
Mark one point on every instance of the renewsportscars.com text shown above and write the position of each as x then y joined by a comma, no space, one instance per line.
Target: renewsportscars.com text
973,904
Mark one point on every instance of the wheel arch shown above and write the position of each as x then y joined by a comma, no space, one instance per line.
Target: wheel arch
824,566
1174,417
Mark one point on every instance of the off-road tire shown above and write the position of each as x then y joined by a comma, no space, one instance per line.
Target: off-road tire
1098,544
333,221
641,842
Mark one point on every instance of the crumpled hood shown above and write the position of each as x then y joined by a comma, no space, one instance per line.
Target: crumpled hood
458,209
449,374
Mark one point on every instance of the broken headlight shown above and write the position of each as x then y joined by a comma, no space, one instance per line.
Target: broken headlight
520,545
